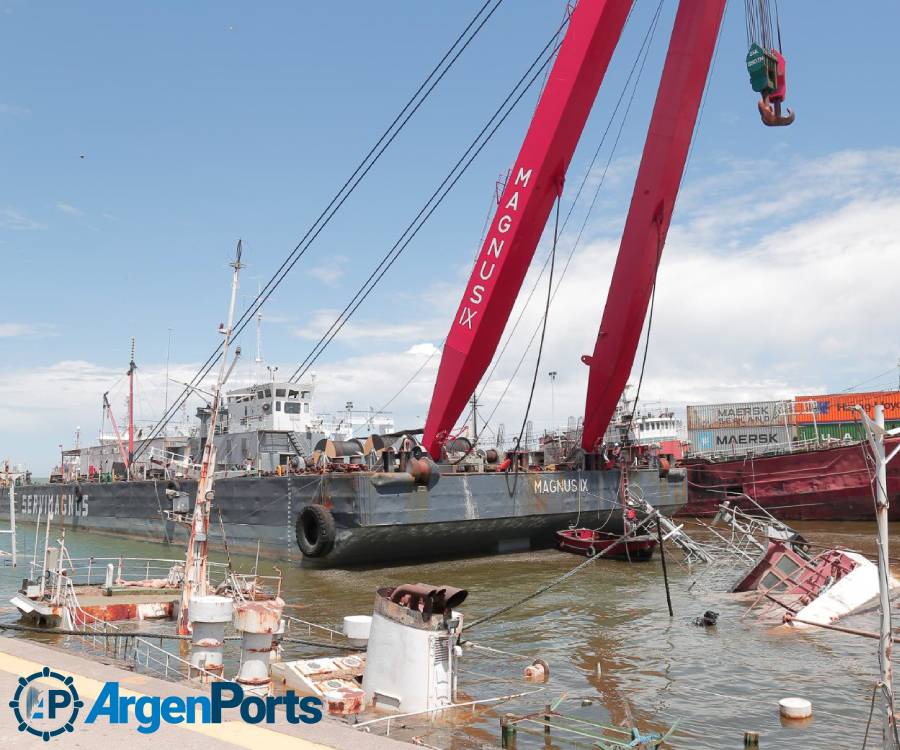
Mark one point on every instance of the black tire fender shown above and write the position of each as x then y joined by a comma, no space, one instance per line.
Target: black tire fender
316,531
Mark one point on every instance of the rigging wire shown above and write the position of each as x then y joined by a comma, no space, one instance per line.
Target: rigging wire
647,38
436,198
475,25
537,363
646,52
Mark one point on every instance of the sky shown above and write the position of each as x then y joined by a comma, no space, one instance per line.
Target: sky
140,141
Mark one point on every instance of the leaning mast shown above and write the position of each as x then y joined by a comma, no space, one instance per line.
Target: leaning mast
195,575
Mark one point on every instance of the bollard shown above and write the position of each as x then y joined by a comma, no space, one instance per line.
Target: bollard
110,572
257,622
507,732
751,739
208,615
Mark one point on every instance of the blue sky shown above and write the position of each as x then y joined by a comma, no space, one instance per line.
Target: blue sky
201,123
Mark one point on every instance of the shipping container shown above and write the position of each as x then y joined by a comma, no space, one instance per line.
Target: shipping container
837,407
745,414
839,430
737,441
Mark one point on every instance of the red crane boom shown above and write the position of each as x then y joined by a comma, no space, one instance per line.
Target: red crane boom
659,177
535,182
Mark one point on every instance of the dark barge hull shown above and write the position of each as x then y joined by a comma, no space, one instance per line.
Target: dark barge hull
826,484
379,517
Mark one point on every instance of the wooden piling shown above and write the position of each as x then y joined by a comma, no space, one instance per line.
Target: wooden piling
751,739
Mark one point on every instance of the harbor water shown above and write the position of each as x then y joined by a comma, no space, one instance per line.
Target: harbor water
715,682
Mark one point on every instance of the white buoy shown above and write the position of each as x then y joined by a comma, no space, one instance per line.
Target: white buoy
795,708
357,628
208,615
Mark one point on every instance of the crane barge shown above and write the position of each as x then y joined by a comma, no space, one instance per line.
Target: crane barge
326,501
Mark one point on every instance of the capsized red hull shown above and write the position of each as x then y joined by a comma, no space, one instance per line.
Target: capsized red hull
827,484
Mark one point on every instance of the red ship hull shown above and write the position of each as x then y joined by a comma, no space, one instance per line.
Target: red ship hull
827,484
588,542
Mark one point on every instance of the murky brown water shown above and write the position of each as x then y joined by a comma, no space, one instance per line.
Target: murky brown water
716,683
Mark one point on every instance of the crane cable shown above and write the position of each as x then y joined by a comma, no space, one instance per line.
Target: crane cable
648,36
436,198
537,363
459,45
646,52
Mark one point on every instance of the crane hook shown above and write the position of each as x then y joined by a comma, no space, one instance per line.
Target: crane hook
770,113
768,76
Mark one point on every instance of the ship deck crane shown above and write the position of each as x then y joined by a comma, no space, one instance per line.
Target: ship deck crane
536,182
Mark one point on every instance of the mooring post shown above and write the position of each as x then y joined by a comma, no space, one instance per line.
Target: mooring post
547,712
751,739
662,556
507,732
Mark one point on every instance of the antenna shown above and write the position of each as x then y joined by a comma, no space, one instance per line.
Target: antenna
258,335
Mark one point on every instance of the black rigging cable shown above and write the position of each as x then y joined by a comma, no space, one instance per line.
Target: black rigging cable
648,38
537,363
365,165
457,171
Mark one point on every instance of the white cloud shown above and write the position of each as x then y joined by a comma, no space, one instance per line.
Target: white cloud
68,208
25,330
14,110
10,218
405,329
332,272
801,300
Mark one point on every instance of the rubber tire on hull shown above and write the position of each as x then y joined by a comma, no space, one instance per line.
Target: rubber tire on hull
315,531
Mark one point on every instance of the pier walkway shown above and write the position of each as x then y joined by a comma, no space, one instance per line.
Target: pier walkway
20,657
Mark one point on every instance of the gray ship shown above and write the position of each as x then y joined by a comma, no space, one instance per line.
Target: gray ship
301,487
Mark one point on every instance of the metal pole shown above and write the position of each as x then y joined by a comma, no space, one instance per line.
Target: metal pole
886,642
662,556
12,518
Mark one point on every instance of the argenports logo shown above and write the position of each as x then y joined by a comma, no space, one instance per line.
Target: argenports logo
46,713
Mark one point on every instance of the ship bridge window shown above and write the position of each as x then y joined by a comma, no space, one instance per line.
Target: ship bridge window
268,393
260,394
293,394
304,394
290,408
279,393
306,408
278,406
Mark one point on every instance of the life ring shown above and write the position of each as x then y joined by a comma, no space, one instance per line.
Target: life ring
315,531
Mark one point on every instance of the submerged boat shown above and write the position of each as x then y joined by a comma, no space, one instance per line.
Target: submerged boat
589,542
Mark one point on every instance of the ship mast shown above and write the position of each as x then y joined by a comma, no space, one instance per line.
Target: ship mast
131,368
195,576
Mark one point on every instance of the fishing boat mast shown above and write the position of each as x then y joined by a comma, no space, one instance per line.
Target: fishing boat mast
195,576
131,369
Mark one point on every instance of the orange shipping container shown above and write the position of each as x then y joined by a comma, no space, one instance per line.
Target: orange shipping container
837,407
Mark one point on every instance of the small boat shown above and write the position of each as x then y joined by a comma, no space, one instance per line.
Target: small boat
589,543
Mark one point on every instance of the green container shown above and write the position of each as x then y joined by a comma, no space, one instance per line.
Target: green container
763,69
839,429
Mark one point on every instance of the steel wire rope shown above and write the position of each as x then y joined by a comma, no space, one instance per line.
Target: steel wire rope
537,363
437,197
565,222
584,179
654,23
361,170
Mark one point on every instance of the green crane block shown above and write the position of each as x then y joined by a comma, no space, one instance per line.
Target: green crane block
763,69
